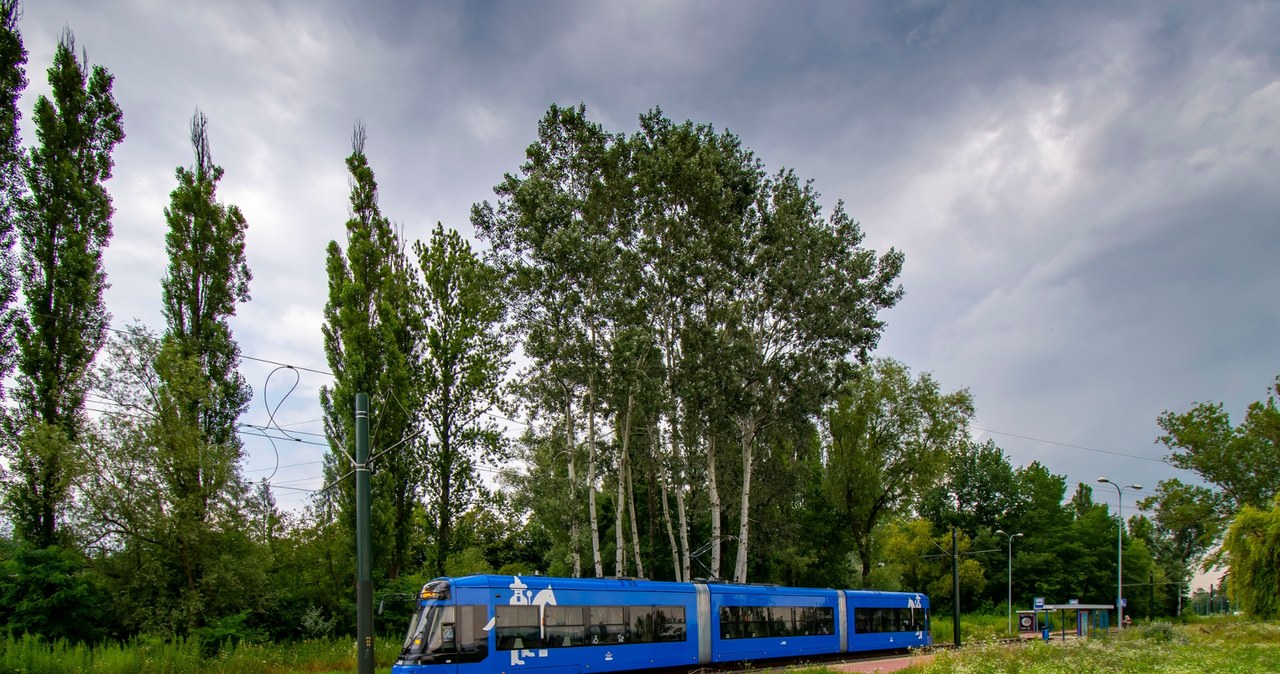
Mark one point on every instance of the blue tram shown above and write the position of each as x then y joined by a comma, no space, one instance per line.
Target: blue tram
506,624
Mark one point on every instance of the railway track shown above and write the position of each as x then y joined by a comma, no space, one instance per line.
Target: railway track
851,662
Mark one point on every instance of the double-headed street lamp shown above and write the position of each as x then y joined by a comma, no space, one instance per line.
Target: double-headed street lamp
1120,547
1011,537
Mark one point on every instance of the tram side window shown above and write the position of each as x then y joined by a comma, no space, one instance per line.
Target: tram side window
861,621
472,640
564,627
826,620
781,621
730,622
811,620
805,622
755,621
873,620
607,624
517,627
745,622
657,623
870,620
908,620
669,623
446,640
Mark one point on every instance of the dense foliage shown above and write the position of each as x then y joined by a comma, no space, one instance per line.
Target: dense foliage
1253,544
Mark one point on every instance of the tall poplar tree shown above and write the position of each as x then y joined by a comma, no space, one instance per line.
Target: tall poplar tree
369,339
13,80
207,278
202,393
64,226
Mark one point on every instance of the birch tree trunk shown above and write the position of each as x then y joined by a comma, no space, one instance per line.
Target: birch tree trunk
666,509
714,490
678,458
635,528
744,510
591,478
682,519
620,538
571,451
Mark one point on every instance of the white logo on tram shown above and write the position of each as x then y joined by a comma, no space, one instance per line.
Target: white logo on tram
521,595
914,604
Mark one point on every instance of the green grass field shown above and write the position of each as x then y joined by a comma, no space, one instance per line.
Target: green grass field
973,628
29,655
1204,646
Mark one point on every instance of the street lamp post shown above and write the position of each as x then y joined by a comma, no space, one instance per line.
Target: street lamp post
1011,537
1120,547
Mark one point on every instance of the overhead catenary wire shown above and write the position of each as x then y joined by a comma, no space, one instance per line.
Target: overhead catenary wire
308,421
287,465
258,427
292,433
298,441
287,365
1065,444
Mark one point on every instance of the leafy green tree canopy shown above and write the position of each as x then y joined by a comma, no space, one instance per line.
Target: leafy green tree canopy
64,225
48,592
1243,461
978,490
464,357
1188,519
892,437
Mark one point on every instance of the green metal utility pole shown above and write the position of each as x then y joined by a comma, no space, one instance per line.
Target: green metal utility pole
955,585
364,574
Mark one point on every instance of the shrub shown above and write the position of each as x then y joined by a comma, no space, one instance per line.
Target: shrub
1160,633
314,626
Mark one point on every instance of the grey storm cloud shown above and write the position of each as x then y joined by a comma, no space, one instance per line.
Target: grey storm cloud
1084,191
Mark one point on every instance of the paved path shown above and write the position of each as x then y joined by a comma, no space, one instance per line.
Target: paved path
890,664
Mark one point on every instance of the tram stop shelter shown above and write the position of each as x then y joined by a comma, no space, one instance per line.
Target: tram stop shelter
1085,617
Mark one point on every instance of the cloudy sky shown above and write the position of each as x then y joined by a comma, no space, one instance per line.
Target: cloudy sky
1080,189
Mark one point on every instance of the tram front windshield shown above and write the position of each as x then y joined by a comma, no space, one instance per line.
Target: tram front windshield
431,630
